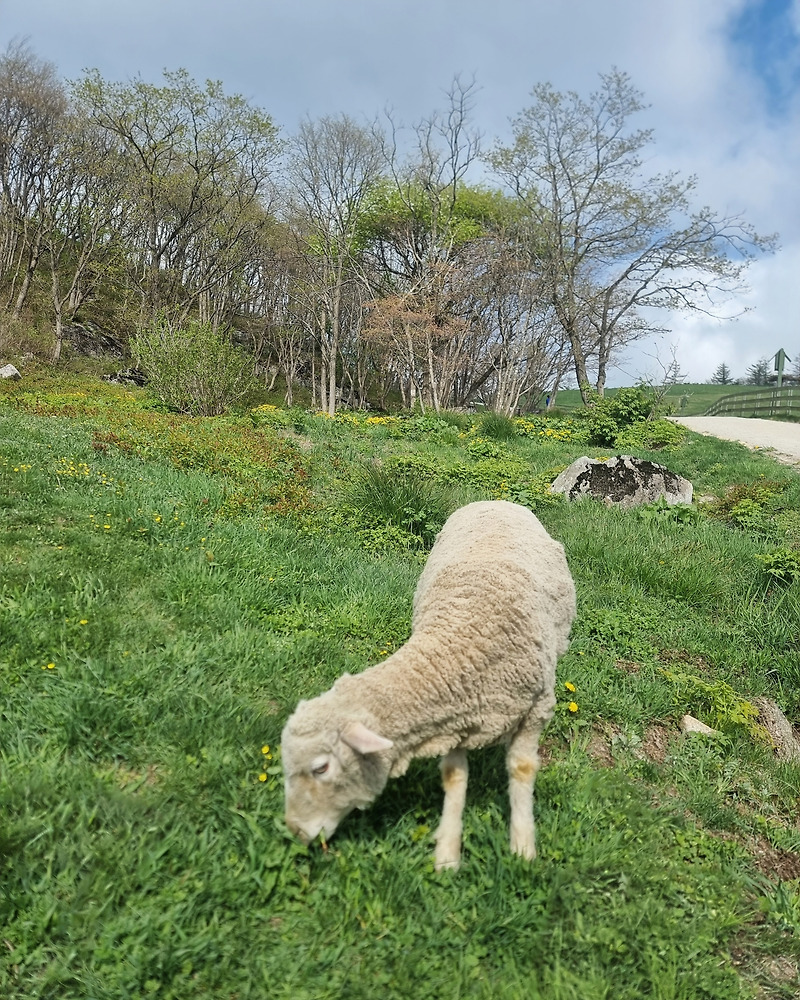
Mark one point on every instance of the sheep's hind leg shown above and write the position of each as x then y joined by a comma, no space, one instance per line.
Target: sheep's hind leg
448,837
522,762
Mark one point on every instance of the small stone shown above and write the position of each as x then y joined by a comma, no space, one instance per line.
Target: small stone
691,725
9,371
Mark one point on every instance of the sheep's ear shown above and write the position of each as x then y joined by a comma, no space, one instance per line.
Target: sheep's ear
363,740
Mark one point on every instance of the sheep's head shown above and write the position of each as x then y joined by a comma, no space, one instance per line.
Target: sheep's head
328,774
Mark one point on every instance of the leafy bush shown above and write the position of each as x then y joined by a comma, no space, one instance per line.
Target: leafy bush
608,416
193,369
481,448
650,435
721,707
553,429
661,510
751,506
268,415
435,428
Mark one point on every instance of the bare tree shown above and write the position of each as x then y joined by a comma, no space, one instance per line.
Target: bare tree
608,239
333,165
83,220
32,105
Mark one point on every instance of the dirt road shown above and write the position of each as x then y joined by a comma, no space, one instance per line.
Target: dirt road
781,437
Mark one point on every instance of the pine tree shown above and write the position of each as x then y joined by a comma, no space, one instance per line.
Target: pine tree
722,376
758,374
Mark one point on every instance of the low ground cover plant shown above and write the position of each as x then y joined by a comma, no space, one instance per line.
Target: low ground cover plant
172,586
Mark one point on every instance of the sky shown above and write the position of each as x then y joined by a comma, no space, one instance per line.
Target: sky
721,78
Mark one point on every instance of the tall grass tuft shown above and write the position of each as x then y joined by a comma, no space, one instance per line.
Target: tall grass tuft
401,498
497,426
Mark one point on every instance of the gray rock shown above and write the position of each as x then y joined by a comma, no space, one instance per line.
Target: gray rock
779,729
128,376
623,480
9,371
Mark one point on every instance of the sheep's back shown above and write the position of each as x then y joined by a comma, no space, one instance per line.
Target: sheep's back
494,567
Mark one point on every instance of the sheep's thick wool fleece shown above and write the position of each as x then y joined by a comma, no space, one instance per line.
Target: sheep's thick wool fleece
492,614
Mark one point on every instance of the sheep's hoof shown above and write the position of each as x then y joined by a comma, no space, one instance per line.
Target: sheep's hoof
524,846
447,854
444,864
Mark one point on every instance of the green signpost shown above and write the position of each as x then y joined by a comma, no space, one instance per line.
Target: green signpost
780,360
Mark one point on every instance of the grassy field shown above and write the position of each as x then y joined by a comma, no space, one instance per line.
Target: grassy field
687,400
171,588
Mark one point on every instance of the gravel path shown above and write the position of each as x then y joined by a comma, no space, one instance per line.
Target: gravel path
781,437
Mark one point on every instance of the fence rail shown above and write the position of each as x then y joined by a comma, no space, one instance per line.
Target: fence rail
783,402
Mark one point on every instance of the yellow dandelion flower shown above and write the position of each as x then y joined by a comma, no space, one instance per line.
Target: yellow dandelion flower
84,621
265,748
572,706
262,776
569,686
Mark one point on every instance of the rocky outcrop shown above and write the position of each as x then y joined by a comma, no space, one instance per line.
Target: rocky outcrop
128,376
623,480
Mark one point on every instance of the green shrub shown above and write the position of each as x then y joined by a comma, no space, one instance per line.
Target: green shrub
751,506
608,416
650,435
481,448
719,705
782,564
193,369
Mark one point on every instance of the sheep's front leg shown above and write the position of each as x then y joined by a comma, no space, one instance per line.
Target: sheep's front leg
448,837
522,762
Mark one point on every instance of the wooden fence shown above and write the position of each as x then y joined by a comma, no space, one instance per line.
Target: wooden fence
783,403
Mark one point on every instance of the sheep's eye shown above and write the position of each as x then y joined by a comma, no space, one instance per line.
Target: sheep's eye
321,769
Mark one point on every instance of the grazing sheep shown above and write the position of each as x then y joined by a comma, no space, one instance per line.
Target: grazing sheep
492,613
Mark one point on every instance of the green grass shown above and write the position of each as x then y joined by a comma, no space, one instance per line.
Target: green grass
690,399
172,587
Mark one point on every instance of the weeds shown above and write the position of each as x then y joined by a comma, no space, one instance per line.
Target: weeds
173,586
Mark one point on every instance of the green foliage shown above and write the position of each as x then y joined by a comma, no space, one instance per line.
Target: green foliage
782,564
481,448
751,506
650,435
193,369
661,510
608,416
391,211
626,633
267,415
716,702
553,429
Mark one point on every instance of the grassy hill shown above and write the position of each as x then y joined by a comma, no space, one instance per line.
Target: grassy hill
171,587
690,399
